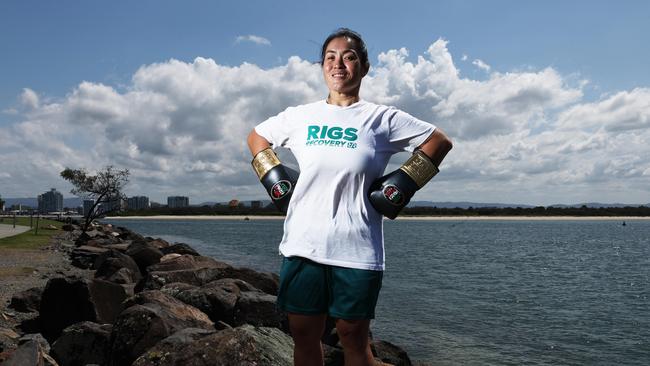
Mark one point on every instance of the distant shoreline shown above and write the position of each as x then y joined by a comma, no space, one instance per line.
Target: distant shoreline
423,218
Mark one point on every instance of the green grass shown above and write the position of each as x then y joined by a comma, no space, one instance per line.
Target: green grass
29,239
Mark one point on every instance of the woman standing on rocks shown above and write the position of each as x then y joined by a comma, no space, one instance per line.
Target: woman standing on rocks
333,243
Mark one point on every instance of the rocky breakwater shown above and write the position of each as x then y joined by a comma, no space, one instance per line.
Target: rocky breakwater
150,303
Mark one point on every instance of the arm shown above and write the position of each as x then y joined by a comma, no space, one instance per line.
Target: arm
392,192
436,146
278,180
257,143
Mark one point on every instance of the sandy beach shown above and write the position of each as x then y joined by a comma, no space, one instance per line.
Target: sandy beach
423,218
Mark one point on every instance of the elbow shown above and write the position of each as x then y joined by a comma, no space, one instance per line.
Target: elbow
447,144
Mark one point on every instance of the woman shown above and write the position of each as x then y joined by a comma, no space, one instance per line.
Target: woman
333,235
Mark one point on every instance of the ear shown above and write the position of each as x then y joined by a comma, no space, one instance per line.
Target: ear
365,68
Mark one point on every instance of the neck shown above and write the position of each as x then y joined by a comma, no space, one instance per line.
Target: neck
342,100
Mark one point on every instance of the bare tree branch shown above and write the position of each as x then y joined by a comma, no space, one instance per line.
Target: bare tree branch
105,188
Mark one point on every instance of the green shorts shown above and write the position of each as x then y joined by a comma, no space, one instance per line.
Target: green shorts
311,288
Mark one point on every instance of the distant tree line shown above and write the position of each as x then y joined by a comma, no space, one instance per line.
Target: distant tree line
529,211
202,210
410,211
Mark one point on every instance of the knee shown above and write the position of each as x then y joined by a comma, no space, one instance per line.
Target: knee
353,334
306,329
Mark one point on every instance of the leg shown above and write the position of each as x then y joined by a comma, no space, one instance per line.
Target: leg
306,331
354,338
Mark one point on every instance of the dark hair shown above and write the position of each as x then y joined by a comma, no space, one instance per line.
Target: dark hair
345,32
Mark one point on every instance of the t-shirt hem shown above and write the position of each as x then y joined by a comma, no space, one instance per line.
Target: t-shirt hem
338,263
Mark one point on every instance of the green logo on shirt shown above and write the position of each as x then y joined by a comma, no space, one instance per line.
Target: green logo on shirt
331,136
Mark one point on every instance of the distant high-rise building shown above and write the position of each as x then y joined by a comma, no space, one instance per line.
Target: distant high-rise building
51,201
2,204
137,203
88,205
256,204
114,205
177,201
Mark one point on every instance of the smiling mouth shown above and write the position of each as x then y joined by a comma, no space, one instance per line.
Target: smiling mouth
338,75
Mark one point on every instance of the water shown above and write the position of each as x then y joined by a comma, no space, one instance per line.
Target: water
484,292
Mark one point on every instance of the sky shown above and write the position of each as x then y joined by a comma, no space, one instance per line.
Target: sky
546,102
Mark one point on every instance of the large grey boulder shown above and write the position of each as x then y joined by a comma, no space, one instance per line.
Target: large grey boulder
149,317
217,299
144,254
389,353
117,267
185,262
179,248
82,344
166,351
232,301
65,301
267,282
241,346
84,256
108,298
257,308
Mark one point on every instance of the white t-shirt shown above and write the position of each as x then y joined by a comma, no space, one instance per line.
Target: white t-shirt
340,152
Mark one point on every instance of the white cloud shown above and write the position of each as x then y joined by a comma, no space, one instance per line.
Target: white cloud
623,111
481,65
29,99
254,39
180,127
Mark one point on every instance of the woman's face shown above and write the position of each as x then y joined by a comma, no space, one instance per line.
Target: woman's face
342,67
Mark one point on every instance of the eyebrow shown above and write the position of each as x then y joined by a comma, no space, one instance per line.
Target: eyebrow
344,51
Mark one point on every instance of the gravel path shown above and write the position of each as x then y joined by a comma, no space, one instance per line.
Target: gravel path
22,269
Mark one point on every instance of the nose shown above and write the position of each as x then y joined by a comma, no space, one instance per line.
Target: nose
338,62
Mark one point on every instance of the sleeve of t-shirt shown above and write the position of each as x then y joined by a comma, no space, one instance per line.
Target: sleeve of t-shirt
407,132
275,129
